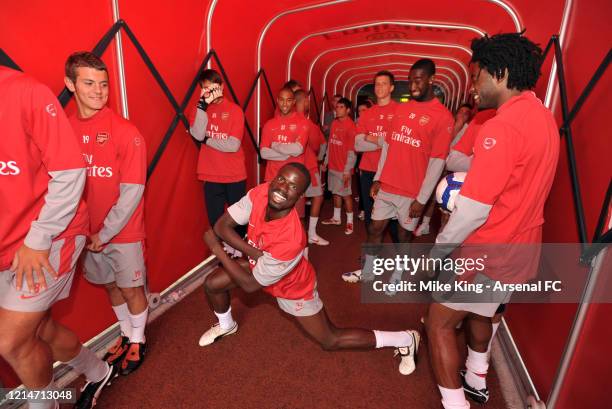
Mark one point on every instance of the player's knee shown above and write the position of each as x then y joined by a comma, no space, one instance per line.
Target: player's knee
14,345
130,293
210,285
329,343
374,229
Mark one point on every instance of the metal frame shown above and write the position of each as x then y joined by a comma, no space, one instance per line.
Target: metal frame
120,64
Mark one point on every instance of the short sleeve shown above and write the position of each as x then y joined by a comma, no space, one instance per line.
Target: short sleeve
442,137
266,135
361,127
466,142
51,131
133,167
241,210
237,124
492,164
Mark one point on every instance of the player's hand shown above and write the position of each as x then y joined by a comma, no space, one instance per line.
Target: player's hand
30,263
372,138
95,244
346,179
212,241
374,189
416,209
212,93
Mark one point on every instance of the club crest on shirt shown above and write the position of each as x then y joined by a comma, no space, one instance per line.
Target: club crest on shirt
424,120
283,127
214,115
51,110
224,116
102,137
488,143
412,115
137,141
292,127
381,116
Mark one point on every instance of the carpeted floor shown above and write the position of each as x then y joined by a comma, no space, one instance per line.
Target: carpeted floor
271,364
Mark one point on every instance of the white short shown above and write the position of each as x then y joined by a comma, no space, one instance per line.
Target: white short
336,185
123,263
63,257
315,191
389,205
301,308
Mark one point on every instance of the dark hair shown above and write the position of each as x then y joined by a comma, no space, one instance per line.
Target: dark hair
82,59
210,75
337,96
465,105
426,65
292,84
288,89
387,74
345,101
365,102
299,93
302,169
509,51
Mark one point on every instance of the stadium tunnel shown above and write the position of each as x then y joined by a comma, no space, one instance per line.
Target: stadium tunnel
559,351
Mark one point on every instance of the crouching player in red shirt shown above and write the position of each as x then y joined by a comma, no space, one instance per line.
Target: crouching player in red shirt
116,175
42,233
276,264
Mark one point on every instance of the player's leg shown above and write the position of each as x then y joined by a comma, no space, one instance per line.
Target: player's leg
332,338
348,207
365,180
442,340
127,261
217,286
315,193
335,185
478,332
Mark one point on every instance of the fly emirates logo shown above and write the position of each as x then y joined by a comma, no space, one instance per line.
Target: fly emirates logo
97,171
405,136
9,168
214,132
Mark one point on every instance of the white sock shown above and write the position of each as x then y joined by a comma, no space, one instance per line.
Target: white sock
337,213
477,365
368,265
312,226
392,339
495,326
139,322
44,404
349,218
453,398
122,313
425,220
87,363
226,321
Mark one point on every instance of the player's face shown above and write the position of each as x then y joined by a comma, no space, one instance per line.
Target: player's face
285,102
419,84
484,87
361,108
383,87
463,114
341,111
90,89
302,105
286,188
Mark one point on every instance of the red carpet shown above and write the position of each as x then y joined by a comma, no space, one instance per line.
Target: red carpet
270,363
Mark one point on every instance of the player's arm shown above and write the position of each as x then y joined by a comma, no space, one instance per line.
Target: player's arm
265,148
237,215
289,149
132,179
458,161
242,277
362,145
435,167
493,163
381,164
199,125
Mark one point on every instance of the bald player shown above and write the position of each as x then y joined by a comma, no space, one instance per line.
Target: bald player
275,248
